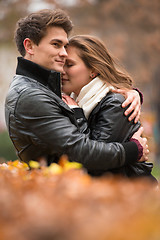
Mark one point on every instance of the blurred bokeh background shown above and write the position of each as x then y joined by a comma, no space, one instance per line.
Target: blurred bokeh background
131,31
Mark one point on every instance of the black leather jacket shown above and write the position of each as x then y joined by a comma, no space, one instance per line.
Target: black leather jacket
108,123
41,124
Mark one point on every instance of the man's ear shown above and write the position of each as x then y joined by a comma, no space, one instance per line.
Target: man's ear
29,46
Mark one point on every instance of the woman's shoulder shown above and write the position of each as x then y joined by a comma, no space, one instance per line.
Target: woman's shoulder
110,101
112,97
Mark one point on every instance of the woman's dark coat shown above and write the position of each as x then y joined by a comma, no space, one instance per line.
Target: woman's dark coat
108,123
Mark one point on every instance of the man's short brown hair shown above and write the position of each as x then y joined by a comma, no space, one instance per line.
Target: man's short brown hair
35,26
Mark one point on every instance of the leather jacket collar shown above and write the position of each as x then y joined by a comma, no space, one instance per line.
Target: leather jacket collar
46,77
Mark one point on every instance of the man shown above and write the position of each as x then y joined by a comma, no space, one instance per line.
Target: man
39,122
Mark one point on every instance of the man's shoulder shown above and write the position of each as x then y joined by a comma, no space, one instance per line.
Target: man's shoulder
26,86
24,90
23,82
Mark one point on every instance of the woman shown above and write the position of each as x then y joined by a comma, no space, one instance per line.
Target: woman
90,73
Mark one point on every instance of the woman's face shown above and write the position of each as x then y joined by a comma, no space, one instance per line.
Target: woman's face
76,75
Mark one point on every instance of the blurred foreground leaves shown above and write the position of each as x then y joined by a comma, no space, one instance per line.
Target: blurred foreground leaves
71,205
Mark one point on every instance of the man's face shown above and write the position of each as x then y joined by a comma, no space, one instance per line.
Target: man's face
51,51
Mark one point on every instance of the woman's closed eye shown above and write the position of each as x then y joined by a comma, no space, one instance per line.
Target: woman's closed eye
69,64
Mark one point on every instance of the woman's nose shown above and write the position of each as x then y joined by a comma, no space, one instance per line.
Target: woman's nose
63,73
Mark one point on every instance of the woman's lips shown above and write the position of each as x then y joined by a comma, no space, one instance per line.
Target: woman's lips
65,80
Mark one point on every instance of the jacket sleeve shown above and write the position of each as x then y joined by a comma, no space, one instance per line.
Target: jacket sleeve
49,126
110,123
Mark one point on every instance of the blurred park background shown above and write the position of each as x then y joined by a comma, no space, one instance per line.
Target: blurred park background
131,31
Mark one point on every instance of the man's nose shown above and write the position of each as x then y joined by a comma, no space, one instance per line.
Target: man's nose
63,52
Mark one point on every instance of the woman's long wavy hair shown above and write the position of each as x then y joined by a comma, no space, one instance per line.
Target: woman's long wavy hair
95,56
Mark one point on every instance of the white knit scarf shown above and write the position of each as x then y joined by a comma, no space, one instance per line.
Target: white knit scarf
91,94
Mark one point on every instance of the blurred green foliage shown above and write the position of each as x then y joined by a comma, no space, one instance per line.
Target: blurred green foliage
7,150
